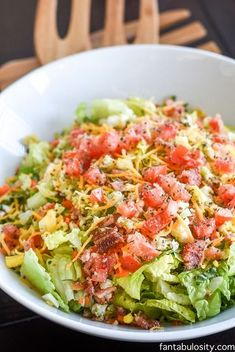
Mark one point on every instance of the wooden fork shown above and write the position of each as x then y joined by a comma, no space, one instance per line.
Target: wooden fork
48,45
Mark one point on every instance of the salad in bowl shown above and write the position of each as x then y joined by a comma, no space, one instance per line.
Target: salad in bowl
127,216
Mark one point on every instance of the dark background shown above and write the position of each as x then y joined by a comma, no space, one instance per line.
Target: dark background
21,329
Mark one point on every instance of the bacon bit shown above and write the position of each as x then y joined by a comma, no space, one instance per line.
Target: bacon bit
144,322
11,235
192,254
104,296
176,322
66,203
107,239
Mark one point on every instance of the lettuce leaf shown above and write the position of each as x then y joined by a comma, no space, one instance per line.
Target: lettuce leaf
231,260
37,154
174,293
206,290
141,106
57,238
36,274
132,283
104,108
63,273
184,313
161,266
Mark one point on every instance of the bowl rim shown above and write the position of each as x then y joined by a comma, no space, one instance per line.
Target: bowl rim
64,318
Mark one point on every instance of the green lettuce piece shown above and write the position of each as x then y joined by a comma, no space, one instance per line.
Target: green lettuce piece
161,266
173,293
103,108
63,273
75,306
57,238
45,187
81,113
141,106
231,260
206,290
214,304
36,201
152,271
202,308
122,299
25,181
132,283
35,273
184,313
37,154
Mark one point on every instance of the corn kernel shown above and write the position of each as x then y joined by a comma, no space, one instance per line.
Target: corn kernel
128,319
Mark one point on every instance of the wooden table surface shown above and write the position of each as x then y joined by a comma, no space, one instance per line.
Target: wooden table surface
19,326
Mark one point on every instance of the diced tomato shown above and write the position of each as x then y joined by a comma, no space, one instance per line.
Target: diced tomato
54,143
220,138
222,215
152,173
153,196
97,195
155,224
216,124
67,204
224,165
226,194
190,177
173,109
166,131
73,163
134,134
117,185
108,142
33,183
203,228
139,246
174,188
130,263
11,235
127,209
213,253
122,272
76,137
4,189
181,157
94,176
144,130
33,242
171,208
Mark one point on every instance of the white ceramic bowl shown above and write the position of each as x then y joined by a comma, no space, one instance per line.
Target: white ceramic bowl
44,101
